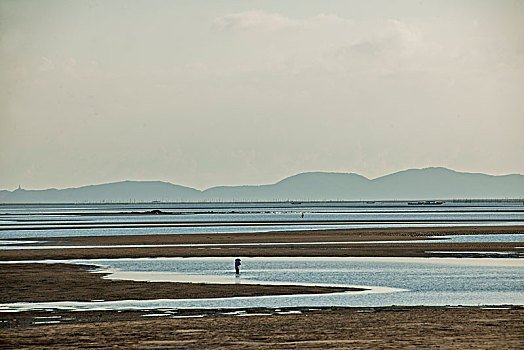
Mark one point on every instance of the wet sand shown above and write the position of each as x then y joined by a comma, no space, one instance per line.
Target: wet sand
294,248
55,282
67,282
192,224
326,328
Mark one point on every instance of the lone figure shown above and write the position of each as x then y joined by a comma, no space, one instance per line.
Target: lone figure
237,266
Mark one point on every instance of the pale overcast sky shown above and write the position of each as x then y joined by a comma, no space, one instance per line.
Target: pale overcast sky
205,93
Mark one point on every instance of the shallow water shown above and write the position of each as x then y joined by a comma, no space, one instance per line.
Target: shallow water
498,238
393,281
413,281
66,232
25,221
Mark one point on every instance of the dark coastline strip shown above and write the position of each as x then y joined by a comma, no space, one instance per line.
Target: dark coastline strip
306,209
76,226
357,250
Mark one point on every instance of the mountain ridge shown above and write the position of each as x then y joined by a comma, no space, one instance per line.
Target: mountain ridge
409,184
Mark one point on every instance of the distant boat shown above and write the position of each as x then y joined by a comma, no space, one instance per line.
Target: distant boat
425,203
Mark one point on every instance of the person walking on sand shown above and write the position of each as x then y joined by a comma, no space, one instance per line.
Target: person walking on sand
237,266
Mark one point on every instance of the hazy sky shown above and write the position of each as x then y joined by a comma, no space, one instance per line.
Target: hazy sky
205,93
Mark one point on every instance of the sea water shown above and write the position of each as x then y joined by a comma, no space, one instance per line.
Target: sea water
29,221
391,281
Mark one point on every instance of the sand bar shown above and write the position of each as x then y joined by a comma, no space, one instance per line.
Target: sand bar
295,249
302,328
65,282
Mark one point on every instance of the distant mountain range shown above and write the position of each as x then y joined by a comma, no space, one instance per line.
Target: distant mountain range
413,184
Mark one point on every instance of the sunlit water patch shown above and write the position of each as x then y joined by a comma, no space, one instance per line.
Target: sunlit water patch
393,281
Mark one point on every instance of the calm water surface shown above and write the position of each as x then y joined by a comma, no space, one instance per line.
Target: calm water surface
27,221
399,281
393,281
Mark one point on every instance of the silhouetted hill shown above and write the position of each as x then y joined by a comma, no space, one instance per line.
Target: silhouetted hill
305,186
413,184
442,183
124,191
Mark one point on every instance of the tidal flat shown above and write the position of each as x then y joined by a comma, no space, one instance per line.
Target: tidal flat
297,328
41,274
